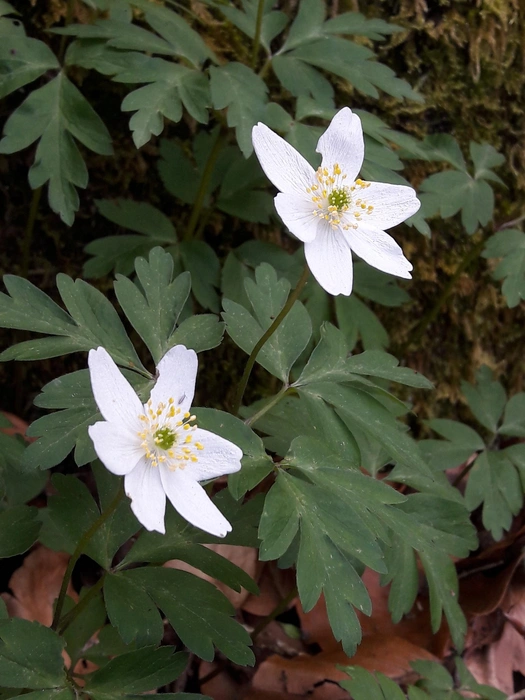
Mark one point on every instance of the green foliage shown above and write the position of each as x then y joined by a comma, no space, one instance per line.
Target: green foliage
509,244
30,656
457,190
92,322
56,114
436,684
495,479
267,296
326,451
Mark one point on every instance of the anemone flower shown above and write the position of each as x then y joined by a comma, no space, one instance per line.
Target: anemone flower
332,210
158,447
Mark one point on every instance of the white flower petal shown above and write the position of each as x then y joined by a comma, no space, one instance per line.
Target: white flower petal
379,250
392,204
297,213
192,502
177,372
343,143
117,447
148,500
218,457
283,165
115,397
330,259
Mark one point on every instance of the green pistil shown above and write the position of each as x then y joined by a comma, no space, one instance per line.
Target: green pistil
339,198
164,438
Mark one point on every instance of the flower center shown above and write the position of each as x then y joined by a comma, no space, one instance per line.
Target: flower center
164,438
339,198
336,201
167,436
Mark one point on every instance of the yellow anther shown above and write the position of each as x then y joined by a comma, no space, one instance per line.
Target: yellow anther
171,401
179,457
171,454
187,414
363,206
162,458
189,438
194,459
199,445
186,427
178,423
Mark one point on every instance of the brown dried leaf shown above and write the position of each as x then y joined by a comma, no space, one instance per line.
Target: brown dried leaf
36,584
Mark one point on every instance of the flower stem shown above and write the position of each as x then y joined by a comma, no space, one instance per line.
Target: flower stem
431,315
203,185
294,295
81,546
257,37
271,403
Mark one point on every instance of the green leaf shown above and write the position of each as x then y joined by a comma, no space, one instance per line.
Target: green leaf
267,295
468,682
485,157
330,537
182,175
202,262
256,464
460,443
367,686
19,484
246,20
30,655
375,363
93,321
153,309
89,621
57,113
486,399
202,332
514,417
136,672
24,60
198,612
236,87
170,87
60,432
356,24
509,245
19,528
177,32
141,217
132,611
6,8
494,482
357,320
452,191
370,416
72,511
377,286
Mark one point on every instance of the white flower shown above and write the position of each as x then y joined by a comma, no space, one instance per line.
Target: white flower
157,446
330,209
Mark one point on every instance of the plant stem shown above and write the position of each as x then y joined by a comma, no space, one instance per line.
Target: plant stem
28,233
274,400
84,541
279,608
431,315
203,185
257,37
72,615
294,295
